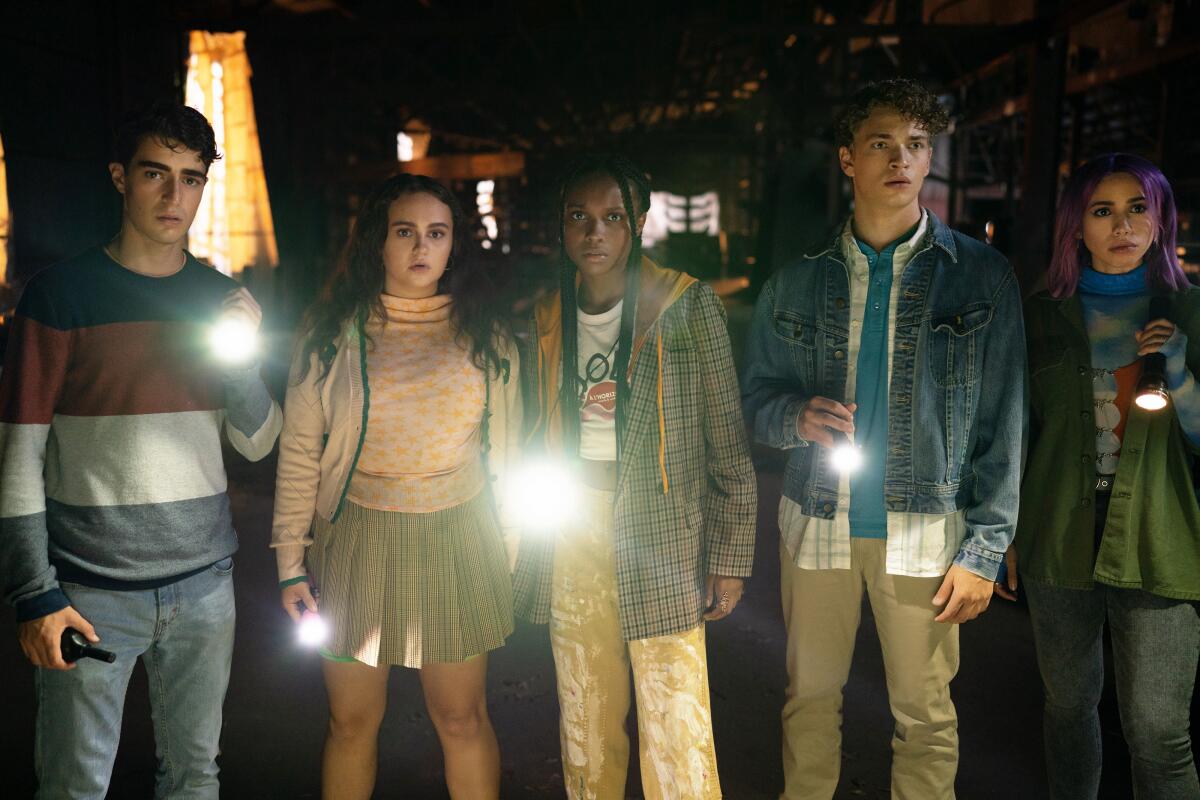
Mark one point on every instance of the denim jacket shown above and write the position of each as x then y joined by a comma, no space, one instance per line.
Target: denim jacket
957,410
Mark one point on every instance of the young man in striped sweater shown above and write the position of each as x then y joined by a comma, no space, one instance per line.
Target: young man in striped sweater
114,518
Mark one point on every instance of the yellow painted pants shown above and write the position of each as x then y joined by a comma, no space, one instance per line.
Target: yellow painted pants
592,662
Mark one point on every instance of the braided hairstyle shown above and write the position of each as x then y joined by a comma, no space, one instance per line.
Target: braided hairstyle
635,196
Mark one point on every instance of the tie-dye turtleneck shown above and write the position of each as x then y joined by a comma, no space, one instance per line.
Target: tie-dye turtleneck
1115,307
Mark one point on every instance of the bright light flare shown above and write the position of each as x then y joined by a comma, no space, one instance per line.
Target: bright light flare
313,631
1152,400
234,340
544,495
846,457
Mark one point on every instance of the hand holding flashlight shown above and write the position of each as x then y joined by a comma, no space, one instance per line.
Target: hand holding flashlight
298,598
1151,393
234,338
300,602
821,417
1151,338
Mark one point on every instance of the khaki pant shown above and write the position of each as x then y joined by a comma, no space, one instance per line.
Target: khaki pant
592,662
822,610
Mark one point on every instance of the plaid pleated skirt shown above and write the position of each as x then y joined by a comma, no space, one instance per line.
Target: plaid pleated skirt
410,589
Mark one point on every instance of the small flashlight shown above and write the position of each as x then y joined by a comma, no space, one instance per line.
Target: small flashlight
544,495
233,340
1151,393
313,630
846,456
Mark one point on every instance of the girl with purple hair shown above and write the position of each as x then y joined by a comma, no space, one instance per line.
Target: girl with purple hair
1109,527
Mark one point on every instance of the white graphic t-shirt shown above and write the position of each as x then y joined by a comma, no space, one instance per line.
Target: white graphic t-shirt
598,335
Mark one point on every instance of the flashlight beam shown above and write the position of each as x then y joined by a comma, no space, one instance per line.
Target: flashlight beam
234,340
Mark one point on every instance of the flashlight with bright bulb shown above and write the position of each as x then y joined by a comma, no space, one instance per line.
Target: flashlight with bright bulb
234,340
1151,394
543,495
312,630
846,456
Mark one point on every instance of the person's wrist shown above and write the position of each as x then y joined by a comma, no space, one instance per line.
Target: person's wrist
292,581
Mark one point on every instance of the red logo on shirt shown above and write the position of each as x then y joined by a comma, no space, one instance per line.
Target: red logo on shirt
600,402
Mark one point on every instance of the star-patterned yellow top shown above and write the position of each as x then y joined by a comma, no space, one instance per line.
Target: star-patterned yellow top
422,448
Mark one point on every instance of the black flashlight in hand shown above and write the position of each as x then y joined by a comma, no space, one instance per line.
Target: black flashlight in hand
74,646
1151,394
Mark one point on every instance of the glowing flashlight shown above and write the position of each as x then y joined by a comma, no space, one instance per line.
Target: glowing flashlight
543,495
313,630
233,340
846,456
1151,393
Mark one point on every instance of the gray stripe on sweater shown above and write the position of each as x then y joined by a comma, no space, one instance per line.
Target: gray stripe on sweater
142,542
25,570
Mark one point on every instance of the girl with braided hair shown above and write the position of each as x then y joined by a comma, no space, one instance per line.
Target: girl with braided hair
635,387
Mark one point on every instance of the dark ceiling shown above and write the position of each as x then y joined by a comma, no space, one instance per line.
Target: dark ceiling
536,76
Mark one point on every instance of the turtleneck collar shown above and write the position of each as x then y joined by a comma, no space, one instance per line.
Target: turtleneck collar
1126,284
424,310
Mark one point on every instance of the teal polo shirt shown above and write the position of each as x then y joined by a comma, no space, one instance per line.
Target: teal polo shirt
868,515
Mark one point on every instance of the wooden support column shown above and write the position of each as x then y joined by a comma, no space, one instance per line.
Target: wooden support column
1039,176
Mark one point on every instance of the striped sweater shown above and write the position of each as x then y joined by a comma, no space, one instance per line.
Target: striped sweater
111,412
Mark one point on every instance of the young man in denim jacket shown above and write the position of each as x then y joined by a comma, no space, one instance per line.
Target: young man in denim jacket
902,339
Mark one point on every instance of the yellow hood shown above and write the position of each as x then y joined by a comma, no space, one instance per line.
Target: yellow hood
659,289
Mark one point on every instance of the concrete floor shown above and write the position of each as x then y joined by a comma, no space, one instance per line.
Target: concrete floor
276,709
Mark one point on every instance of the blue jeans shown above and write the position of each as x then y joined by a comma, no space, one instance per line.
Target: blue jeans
183,632
1156,642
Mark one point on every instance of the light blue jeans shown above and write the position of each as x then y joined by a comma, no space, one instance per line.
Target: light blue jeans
183,633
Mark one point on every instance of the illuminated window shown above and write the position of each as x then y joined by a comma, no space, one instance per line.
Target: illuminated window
412,143
672,213
404,147
485,204
233,228
5,225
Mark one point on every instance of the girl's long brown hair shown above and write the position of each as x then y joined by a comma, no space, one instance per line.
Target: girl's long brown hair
353,290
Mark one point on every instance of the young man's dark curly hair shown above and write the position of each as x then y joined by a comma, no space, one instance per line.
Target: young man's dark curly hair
912,100
168,122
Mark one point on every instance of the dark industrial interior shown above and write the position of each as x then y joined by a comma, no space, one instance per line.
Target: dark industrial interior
729,107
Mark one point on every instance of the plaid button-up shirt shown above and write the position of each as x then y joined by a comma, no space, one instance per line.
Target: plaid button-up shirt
686,494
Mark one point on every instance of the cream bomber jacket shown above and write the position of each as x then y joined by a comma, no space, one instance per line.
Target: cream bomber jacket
323,428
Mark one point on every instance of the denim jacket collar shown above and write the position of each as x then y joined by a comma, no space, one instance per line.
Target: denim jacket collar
938,231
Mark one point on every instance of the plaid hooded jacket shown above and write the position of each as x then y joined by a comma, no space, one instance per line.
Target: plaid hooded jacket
686,495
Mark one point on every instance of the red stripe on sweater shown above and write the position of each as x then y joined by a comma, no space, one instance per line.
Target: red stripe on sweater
129,368
35,367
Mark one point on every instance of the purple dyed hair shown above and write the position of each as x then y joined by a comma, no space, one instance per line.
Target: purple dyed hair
1163,272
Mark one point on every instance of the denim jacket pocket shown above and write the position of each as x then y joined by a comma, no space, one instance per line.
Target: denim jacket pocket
952,343
800,335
